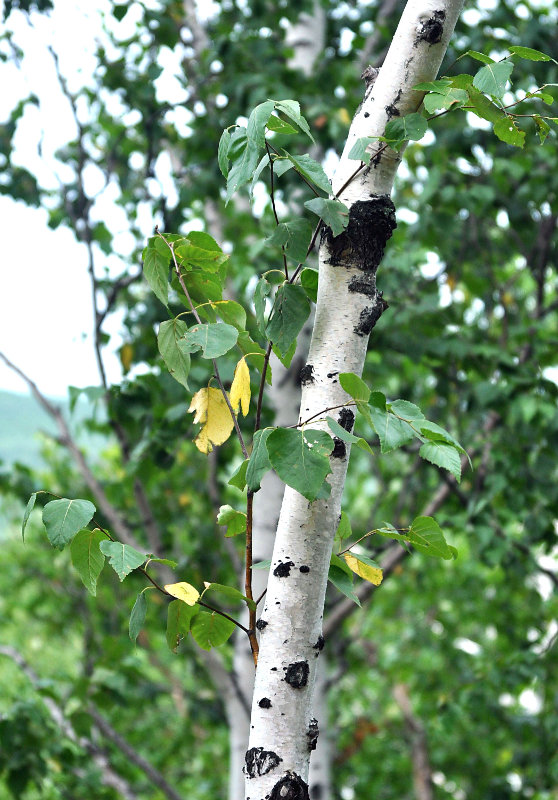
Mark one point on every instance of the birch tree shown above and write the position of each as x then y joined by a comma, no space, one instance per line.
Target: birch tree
282,724
345,282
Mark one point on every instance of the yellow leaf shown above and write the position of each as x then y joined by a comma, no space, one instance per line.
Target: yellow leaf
213,412
240,389
183,591
343,115
371,574
126,356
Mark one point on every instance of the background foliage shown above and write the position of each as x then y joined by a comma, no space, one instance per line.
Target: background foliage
470,336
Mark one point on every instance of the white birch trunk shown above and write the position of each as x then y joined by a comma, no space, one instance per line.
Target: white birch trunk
281,729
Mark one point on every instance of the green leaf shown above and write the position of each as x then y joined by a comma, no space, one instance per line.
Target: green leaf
300,458
334,213
530,54
445,99
278,125
230,592
492,78
156,270
359,152
443,455
179,620
168,561
478,56
406,410
200,251
286,358
28,509
215,339
483,107
235,521
264,162
262,291
262,564
344,530
435,433
137,617
433,86
257,122
288,315
311,170
243,168
291,109
202,286
174,350
343,582
238,478
543,128
345,436
507,131
426,536
64,518
294,236
87,557
232,313
259,463
122,557
393,432
354,386
223,152
309,282
211,629
401,129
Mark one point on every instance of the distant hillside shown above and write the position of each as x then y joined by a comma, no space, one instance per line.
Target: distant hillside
22,420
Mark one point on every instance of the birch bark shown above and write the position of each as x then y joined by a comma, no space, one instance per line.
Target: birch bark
282,729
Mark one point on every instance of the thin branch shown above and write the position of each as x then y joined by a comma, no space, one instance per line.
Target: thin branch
248,578
132,755
262,387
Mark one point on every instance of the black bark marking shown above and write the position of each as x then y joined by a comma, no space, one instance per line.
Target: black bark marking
320,643
346,419
362,243
273,669
259,762
290,787
339,449
265,702
296,675
366,115
392,111
316,791
307,374
432,29
304,568
261,624
283,569
364,284
332,374
312,734
369,316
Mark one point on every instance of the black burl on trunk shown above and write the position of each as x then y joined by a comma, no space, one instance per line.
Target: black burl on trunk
362,245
